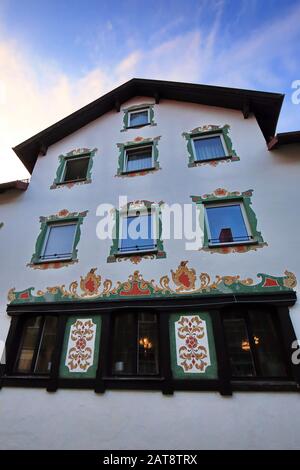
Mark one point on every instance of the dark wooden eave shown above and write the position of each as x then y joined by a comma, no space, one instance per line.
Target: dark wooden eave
20,185
265,106
284,138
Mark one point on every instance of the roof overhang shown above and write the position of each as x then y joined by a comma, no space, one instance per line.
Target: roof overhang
265,106
20,185
284,138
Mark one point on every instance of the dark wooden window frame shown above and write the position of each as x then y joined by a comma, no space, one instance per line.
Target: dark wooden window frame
163,307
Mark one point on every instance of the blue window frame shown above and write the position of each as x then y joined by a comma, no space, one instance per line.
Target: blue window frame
207,148
227,223
136,234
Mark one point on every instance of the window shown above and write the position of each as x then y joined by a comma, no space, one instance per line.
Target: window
135,345
138,159
59,242
139,118
209,148
254,344
227,224
76,169
36,346
137,233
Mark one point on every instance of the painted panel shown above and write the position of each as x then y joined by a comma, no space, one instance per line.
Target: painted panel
193,354
81,347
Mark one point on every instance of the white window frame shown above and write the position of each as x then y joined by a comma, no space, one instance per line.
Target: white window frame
137,148
47,237
200,137
246,222
144,213
135,111
65,168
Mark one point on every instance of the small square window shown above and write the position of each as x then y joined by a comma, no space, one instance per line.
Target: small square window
209,148
138,118
59,242
137,234
227,224
76,169
138,159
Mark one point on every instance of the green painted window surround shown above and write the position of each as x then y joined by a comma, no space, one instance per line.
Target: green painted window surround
208,131
221,196
138,107
115,253
131,145
63,216
77,153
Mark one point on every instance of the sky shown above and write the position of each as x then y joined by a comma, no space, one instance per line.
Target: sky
57,56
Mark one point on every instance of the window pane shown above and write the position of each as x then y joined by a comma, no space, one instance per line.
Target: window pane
139,159
226,224
210,147
238,344
139,118
124,345
28,344
59,243
46,346
137,233
76,169
267,344
147,345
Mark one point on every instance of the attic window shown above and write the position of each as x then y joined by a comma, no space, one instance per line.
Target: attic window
139,118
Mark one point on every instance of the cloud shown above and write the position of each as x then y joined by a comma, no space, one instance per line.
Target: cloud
35,93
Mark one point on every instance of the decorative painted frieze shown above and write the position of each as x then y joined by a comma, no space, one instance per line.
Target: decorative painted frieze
81,346
76,153
223,195
209,130
62,216
185,282
130,145
193,354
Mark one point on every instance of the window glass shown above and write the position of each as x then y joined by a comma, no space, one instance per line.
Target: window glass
137,233
59,242
46,347
267,345
138,159
76,169
210,147
28,344
135,344
238,344
138,118
36,345
226,224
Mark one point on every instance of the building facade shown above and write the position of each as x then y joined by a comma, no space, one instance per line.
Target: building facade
176,341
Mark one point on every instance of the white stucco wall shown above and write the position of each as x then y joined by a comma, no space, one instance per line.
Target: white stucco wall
80,419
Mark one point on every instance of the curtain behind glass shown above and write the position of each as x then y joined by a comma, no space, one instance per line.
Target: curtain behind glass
140,159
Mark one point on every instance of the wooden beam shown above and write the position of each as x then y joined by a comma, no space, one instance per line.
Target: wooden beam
156,97
246,109
43,149
117,106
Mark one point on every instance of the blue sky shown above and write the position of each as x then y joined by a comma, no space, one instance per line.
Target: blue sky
56,56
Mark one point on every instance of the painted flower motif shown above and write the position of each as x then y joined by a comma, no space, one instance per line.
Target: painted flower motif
81,343
191,342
